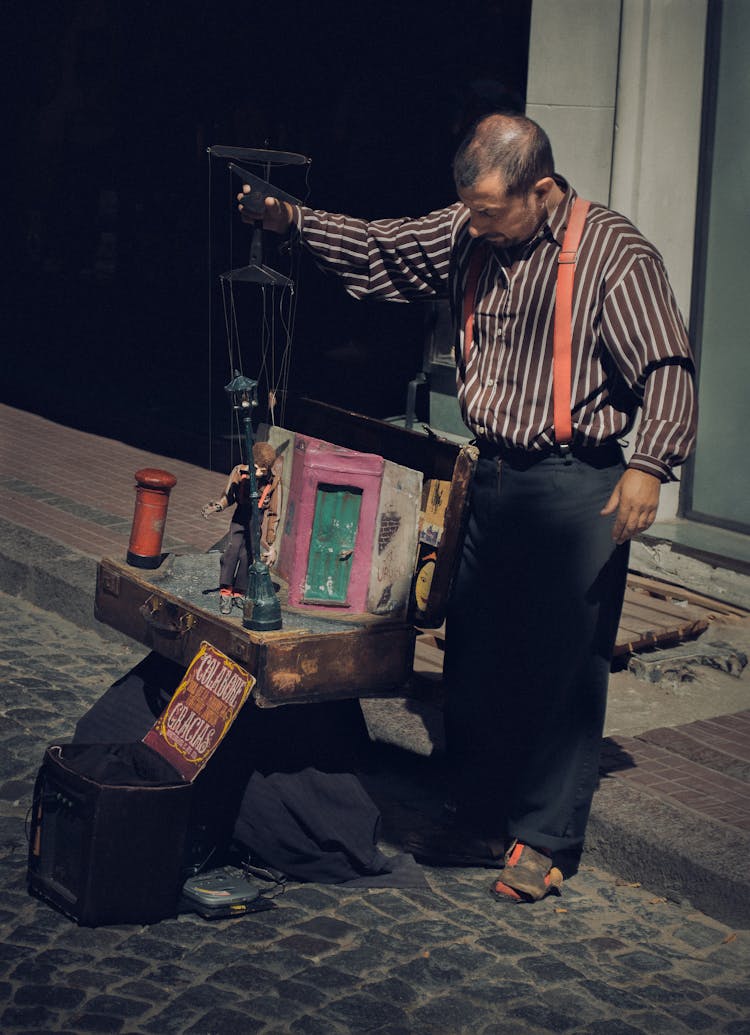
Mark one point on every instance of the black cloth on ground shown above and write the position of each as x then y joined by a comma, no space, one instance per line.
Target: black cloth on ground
275,750
313,826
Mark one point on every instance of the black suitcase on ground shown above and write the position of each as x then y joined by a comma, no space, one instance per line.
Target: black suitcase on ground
108,831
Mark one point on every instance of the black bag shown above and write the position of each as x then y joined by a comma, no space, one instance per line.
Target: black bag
108,831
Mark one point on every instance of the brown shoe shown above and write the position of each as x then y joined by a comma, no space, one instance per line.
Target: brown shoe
528,875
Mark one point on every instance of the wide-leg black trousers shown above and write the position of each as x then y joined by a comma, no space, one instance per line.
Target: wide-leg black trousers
530,632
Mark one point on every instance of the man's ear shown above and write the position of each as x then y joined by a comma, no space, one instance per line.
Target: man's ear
543,187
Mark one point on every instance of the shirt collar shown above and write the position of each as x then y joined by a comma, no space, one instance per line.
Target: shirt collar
557,223
554,227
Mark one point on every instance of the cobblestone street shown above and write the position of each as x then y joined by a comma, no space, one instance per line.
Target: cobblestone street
606,956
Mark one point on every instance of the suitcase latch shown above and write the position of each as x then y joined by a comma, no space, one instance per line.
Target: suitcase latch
165,618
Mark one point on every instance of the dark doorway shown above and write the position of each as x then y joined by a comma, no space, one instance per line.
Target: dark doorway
113,240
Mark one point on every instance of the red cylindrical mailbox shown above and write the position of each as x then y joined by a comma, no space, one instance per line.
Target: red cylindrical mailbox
151,501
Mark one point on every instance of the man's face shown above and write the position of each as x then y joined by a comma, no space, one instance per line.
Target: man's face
500,218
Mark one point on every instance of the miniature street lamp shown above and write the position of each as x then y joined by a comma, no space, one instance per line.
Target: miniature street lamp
262,610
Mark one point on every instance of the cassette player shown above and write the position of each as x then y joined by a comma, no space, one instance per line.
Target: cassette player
224,892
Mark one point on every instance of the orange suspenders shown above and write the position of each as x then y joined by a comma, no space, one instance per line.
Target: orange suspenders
561,373
563,330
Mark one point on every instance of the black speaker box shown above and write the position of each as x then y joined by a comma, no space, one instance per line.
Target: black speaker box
108,830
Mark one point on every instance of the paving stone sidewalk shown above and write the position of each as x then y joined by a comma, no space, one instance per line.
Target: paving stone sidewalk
605,957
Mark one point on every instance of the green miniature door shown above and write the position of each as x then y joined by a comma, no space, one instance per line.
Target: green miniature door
334,533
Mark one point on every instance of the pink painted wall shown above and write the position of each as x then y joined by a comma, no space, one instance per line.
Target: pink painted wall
317,462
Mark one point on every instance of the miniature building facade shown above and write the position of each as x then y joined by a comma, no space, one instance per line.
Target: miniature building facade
349,527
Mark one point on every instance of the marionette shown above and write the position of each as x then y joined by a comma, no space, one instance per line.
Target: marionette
238,554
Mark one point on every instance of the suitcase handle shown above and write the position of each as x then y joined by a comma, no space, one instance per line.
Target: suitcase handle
165,618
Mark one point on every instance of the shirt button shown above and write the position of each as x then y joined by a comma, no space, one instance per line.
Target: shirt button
490,382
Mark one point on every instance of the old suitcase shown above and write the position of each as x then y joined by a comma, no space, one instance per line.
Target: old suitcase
320,653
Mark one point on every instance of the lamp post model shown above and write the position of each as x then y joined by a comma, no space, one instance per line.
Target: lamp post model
262,610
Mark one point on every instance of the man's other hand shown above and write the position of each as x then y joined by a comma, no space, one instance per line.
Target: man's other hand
634,502
276,215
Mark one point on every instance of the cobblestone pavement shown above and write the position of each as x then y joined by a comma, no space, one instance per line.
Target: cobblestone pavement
606,956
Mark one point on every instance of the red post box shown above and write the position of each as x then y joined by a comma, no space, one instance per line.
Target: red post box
151,501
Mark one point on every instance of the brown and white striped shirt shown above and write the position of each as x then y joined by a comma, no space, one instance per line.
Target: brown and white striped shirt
629,346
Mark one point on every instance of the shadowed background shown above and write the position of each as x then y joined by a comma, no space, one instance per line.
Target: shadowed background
117,232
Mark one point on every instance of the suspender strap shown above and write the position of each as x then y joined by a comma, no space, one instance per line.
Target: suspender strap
563,333
478,258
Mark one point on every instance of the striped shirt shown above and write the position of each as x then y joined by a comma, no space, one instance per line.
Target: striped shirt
629,344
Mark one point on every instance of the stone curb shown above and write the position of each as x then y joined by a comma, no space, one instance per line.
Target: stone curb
676,853
51,576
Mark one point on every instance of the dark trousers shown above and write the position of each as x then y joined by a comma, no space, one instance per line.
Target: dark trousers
236,558
531,627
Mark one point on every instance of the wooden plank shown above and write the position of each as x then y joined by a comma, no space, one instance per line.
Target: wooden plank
660,623
668,591
633,634
640,618
650,620
629,640
673,608
646,622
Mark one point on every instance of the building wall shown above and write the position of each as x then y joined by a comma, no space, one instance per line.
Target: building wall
617,85
572,87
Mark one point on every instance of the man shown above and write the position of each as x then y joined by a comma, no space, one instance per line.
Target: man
535,609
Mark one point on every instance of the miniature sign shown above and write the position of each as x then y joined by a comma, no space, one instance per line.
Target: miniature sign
202,709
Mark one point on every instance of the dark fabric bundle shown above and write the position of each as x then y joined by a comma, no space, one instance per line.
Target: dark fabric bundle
312,826
309,824
127,765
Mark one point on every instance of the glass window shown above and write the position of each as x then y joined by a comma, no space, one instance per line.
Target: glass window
720,324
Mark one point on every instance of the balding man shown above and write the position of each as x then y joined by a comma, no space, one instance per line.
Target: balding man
535,608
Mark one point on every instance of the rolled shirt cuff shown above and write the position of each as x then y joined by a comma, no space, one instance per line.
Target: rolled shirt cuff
650,465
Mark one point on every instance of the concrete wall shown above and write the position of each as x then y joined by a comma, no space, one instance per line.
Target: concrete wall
572,86
617,85
658,125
